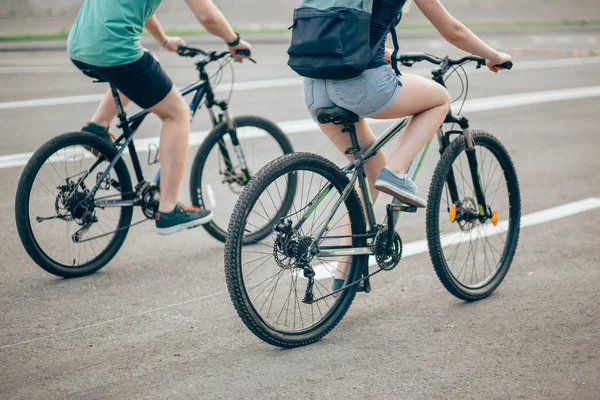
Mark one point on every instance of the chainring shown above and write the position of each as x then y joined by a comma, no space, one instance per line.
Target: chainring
387,261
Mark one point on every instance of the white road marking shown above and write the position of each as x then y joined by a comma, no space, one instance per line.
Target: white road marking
323,271
283,82
539,217
308,125
208,296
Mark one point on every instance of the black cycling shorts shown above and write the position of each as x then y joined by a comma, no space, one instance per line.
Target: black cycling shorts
144,82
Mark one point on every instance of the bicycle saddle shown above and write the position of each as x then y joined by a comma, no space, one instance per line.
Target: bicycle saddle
336,115
93,75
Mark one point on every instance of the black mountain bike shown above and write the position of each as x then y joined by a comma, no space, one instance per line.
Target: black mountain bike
282,287
75,199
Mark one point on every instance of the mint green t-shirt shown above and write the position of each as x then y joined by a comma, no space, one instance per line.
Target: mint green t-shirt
107,33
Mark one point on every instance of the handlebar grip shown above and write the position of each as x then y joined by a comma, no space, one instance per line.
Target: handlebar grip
506,65
245,53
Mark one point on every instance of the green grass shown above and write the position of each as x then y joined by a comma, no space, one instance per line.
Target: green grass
64,33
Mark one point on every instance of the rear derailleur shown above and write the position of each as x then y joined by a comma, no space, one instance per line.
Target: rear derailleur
294,251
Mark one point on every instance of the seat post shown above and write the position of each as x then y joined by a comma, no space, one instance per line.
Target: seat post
350,128
120,111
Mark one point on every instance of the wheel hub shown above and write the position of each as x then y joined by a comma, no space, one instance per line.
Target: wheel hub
79,206
291,250
467,215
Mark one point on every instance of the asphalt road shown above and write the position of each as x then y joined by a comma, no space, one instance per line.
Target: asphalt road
157,321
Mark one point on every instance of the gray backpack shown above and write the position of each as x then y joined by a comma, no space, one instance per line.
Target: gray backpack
330,39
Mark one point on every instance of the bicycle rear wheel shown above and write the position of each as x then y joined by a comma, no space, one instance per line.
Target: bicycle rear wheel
266,280
216,178
471,257
65,233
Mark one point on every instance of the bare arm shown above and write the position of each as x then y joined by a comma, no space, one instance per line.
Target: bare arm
156,31
215,22
459,35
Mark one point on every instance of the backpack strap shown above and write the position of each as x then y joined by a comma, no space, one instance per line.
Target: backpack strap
396,45
392,30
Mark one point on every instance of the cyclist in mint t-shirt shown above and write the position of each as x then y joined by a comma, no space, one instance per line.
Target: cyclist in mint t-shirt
105,39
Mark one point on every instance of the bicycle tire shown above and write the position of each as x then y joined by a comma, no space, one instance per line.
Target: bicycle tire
196,177
450,282
23,195
235,234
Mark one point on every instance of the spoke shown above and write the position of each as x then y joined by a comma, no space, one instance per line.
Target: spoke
273,297
465,179
328,291
493,196
297,301
271,291
493,174
335,268
260,265
465,263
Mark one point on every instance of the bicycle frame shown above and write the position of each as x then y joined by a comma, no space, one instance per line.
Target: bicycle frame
395,209
201,89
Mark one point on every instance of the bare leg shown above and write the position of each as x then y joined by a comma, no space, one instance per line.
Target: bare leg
372,167
107,111
174,138
429,103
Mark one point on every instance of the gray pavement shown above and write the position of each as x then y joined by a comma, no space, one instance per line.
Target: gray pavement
26,17
157,321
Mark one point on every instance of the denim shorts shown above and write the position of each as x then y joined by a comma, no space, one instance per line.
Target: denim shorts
367,94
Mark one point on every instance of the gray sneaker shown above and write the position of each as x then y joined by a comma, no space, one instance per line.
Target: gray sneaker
399,186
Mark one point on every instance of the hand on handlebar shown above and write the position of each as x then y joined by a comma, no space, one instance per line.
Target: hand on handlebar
242,45
494,64
173,43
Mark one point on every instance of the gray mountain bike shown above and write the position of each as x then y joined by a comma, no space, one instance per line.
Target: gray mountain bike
282,286
75,199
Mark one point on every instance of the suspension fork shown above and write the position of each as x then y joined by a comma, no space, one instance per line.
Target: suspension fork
451,180
237,148
475,175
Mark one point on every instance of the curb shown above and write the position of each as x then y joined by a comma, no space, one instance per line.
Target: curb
61,45
281,38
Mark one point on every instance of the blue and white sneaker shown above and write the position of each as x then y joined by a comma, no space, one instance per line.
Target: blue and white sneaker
399,186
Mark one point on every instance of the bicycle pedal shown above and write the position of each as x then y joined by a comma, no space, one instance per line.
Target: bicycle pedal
364,287
403,208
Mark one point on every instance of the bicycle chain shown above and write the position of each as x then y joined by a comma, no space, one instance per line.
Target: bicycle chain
115,231
348,286
358,235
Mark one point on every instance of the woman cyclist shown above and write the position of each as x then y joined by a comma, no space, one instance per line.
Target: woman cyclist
379,93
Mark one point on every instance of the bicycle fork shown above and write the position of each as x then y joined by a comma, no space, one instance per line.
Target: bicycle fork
482,209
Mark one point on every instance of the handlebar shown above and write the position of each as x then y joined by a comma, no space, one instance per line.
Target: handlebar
187,51
409,59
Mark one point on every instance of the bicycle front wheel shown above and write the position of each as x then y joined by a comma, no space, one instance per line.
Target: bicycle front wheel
471,257
217,178
267,281
63,230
